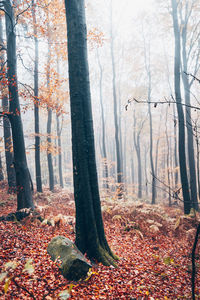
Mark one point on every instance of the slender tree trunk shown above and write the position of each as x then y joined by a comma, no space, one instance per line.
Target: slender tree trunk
145,170
167,161
1,169
49,150
36,104
181,123
124,154
104,152
23,182
175,150
153,196
117,142
49,118
148,72
136,139
60,151
132,175
90,236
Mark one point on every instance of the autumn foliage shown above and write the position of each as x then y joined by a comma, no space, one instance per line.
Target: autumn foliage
154,245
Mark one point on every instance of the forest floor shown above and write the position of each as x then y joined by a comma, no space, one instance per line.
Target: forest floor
154,244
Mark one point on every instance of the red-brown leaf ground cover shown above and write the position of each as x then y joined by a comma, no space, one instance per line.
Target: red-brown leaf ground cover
153,265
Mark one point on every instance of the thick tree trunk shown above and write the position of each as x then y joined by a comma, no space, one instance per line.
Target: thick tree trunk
8,149
181,121
104,152
6,127
23,182
36,105
90,236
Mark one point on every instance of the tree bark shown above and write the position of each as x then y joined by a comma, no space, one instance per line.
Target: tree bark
104,152
136,139
23,182
6,127
115,110
1,169
90,236
190,141
167,161
59,151
49,117
36,105
181,121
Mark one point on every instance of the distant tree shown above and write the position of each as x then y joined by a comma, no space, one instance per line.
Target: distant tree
23,180
1,169
90,236
115,110
103,142
147,64
136,139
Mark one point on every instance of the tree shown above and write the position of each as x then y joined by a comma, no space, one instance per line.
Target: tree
36,104
147,63
104,152
115,110
1,169
49,110
90,235
181,121
6,123
136,139
190,53
23,180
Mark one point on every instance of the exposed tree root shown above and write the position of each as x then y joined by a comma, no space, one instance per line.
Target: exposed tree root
21,214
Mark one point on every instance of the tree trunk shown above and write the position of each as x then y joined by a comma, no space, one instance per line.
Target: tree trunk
147,55
36,105
117,142
167,161
23,182
104,152
181,123
60,152
198,160
190,141
90,236
6,127
136,139
1,169
145,169
49,117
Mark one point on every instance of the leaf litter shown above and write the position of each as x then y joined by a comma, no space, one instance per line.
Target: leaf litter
154,264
